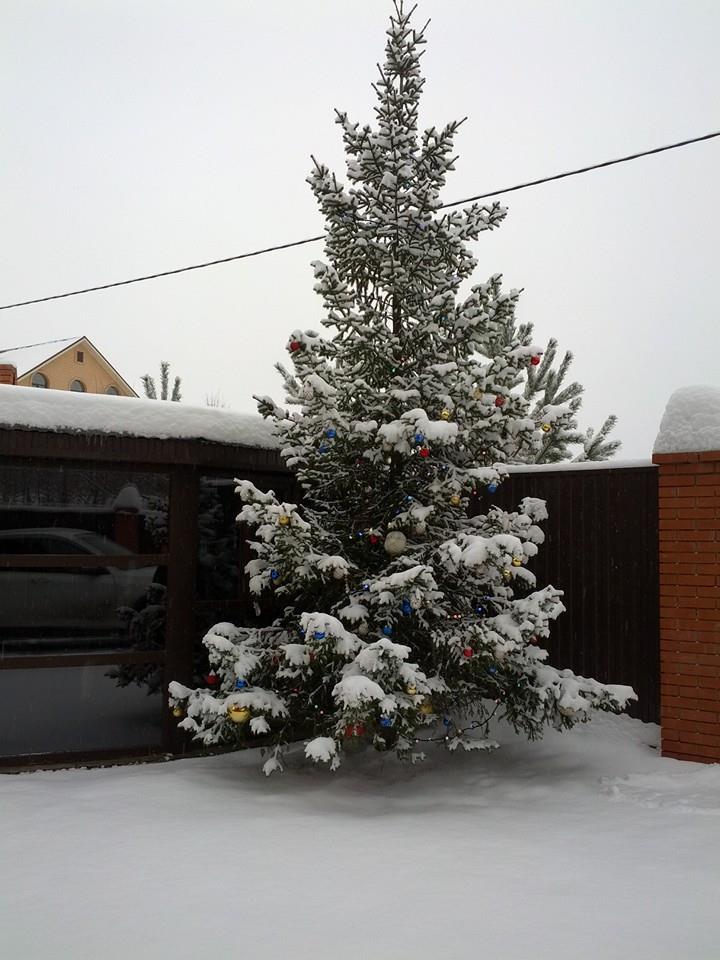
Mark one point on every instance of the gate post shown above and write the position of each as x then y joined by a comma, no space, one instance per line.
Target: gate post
689,525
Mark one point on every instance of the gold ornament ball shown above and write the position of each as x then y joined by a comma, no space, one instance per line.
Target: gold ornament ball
238,714
455,500
507,575
426,708
546,428
283,519
177,711
411,689
517,561
445,414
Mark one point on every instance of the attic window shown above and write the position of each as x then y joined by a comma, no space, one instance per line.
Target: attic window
78,386
113,391
79,356
39,380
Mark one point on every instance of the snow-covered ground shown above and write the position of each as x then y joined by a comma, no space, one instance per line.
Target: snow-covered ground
586,845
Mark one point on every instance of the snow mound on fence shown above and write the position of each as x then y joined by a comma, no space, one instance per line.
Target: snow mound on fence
691,421
29,408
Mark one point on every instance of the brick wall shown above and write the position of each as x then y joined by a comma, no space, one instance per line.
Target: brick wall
8,373
689,528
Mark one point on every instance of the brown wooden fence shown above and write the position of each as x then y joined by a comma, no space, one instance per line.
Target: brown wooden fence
601,548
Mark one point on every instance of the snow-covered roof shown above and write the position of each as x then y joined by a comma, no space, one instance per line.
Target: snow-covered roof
25,359
691,421
67,412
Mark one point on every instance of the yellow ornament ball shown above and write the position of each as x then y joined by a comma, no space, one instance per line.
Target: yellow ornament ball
178,711
507,574
455,500
426,708
283,519
411,689
238,714
517,561
546,428
445,414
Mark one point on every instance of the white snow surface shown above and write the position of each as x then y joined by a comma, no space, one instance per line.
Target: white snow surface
691,421
66,412
566,465
587,844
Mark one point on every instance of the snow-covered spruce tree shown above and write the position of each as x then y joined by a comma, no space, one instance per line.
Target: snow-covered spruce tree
554,407
403,620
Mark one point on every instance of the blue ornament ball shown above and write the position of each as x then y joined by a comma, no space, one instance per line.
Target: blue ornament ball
386,721
240,684
446,721
319,634
274,575
365,587
492,669
331,433
492,487
419,437
480,610
323,448
387,630
406,608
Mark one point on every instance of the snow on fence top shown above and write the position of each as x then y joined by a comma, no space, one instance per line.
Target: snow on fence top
565,465
691,421
31,408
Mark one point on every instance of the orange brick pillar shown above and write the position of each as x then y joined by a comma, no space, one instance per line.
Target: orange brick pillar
690,604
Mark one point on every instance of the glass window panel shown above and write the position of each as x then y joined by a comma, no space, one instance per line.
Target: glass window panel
221,550
64,610
124,508
76,708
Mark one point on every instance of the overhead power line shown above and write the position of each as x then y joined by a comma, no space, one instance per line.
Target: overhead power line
42,343
300,243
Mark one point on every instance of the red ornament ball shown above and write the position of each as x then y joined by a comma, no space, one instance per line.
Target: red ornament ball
374,538
424,452
468,652
295,345
535,360
499,401
354,730
211,679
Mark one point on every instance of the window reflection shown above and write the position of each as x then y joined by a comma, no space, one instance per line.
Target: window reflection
220,561
78,567
67,609
74,708
127,507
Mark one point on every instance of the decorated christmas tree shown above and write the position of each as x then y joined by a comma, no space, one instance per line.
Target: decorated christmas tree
403,617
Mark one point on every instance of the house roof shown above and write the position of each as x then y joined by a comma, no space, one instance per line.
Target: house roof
67,412
28,358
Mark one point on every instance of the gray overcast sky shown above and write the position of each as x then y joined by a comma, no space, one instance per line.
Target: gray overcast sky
141,135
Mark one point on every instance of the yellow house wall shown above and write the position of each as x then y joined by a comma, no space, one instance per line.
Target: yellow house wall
61,370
